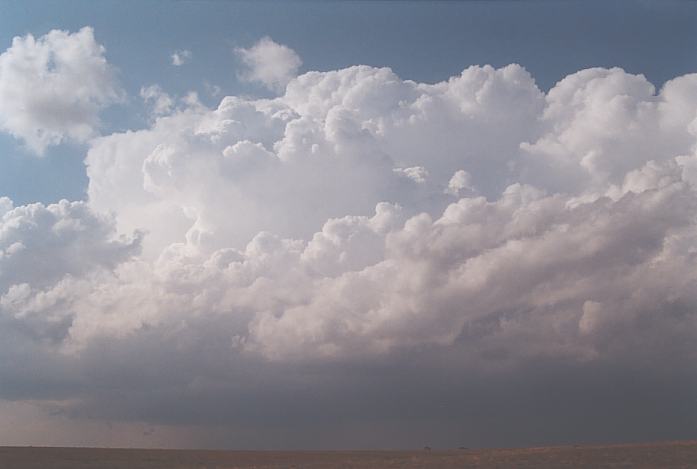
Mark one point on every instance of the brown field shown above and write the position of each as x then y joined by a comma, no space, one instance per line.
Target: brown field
654,455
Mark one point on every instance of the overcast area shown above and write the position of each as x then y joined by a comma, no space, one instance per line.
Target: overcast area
342,257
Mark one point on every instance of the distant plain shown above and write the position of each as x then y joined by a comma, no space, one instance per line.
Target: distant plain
681,454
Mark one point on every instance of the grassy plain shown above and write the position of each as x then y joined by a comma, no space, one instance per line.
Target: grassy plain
653,455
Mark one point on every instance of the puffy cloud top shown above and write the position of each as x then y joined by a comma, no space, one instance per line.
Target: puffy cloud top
447,206
52,88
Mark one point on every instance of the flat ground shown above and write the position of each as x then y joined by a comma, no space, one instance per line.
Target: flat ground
653,455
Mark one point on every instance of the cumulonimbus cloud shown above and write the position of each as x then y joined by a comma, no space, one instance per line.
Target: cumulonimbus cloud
357,181
360,215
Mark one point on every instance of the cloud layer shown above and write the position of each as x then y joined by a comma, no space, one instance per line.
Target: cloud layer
475,233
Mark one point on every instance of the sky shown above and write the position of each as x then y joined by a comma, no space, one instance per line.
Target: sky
312,225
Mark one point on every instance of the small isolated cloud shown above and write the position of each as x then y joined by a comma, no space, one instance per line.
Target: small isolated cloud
180,57
52,88
269,63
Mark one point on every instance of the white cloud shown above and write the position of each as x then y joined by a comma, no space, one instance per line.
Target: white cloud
269,63
180,57
601,123
528,255
44,251
247,156
52,88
